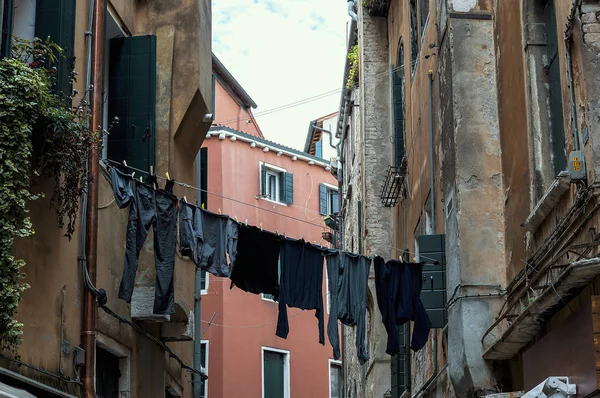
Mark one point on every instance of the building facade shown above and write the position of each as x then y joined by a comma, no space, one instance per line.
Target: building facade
151,65
471,134
282,190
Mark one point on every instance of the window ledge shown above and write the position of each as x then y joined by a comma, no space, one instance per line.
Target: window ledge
274,201
548,201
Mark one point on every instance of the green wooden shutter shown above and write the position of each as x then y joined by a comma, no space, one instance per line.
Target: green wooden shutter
204,174
323,199
56,19
556,109
132,98
433,292
7,28
263,180
398,109
288,188
273,375
400,365
319,149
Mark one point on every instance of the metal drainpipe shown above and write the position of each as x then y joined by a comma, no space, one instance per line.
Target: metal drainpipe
198,296
572,95
88,335
312,124
432,201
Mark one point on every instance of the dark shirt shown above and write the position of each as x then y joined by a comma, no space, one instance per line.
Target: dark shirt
256,268
301,283
398,287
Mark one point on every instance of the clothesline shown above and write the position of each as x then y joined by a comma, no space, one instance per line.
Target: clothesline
250,326
184,185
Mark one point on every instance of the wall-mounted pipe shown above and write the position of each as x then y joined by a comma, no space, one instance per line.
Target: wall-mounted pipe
574,127
351,11
431,159
88,334
314,126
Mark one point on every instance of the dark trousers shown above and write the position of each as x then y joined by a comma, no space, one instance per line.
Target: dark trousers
156,208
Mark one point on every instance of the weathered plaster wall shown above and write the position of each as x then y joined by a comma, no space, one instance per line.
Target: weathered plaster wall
54,273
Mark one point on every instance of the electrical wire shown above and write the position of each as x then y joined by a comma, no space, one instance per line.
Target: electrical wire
21,363
322,95
249,326
188,186
307,200
106,205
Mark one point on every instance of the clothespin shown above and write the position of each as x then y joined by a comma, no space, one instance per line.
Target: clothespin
368,252
261,227
220,211
185,198
151,170
168,178
246,222
132,174
276,232
236,219
321,241
202,206
141,180
125,163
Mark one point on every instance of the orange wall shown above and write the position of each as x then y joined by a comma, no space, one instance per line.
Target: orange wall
230,114
235,365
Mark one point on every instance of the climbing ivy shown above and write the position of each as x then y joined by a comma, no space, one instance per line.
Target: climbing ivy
353,72
40,135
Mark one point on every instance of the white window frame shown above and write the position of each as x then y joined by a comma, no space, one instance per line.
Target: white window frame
330,189
205,290
336,363
124,354
286,369
277,172
262,296
206,363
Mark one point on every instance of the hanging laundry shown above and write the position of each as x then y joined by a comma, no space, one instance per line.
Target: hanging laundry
122,185
398,286
217,234
348,276
256,269
156,208
301,283
188,232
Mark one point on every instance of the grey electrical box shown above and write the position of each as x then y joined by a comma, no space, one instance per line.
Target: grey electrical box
576,166
79,356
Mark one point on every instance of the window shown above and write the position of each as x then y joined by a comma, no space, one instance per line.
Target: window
414,34
131,97
269,297
204,364
399,105
329,201
336,384
112,368
424,14
276,373
43,18
276,184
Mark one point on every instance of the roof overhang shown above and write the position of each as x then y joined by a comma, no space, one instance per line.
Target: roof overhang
528,324
233,84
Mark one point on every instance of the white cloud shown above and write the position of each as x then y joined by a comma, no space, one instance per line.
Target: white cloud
283,51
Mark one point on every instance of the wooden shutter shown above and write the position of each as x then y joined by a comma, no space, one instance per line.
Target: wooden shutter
7,28
132,98
433,292
288,188
323,199
273,375
400,365
319,149
398,110
263,180
204,175
56,19
557,127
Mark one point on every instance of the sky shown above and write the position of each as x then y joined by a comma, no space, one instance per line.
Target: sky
282,52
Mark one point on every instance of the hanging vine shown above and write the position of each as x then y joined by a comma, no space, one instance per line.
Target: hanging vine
353,72
40,135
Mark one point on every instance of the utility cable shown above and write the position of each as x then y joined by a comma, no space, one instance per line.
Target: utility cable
322,95
21,363
184,185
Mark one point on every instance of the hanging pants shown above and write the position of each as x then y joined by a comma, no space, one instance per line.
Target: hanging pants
348,278
156,208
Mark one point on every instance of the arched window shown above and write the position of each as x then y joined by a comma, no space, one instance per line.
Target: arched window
399,105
